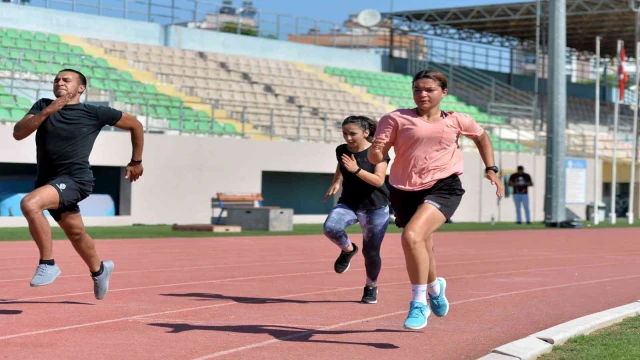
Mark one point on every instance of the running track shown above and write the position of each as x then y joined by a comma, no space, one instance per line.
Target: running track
278,297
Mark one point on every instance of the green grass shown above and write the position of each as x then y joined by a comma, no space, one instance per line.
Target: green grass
620,342
164,231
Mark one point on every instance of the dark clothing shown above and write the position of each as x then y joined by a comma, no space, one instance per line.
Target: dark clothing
64,142
521,182
357,194
374,225
71,193
445,195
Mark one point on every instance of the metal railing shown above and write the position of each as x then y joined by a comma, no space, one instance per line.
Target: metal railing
268,125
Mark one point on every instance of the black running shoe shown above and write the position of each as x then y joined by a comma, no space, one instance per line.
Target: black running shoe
343,262
370,295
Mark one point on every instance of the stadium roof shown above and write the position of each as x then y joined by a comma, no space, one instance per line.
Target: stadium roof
515,24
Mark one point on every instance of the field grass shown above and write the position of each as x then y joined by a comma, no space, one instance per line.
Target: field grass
164,231
620,342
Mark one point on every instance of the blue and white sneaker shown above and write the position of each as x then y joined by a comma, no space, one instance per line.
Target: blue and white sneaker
440,304
418,314
45,275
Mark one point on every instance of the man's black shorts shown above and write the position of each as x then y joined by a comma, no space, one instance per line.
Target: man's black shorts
445,195
71,193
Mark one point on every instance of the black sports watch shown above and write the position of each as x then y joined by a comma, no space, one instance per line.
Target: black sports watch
495,169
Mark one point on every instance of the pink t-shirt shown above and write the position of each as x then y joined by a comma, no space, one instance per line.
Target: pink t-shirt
425,152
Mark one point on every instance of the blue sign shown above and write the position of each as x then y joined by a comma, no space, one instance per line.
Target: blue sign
575,163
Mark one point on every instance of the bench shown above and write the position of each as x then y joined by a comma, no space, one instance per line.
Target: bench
226,201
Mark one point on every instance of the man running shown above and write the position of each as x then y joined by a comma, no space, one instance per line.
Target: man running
66,132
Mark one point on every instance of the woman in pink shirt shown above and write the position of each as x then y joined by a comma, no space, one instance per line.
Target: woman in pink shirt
425,187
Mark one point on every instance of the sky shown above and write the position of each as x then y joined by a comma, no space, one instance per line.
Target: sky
338,10
326,10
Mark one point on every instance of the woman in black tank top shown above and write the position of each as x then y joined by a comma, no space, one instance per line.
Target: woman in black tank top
364,199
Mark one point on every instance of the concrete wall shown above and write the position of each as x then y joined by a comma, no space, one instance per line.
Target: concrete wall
217,42
34,18
183,173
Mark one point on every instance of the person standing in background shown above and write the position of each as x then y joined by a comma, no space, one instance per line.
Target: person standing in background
520,183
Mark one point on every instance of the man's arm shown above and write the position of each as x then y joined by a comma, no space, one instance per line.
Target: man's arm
31,122
28,125
130,123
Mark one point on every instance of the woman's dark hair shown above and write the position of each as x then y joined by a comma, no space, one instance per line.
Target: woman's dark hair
364,122
436,76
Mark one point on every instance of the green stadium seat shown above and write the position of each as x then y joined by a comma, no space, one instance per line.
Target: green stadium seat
189,125
51,47
27,35
162,111
30,55
64,48
43,68
204,127
40,36
150,88
74,61
87,61
174,125
202,115
5,115
127,75
24,104
98,84
17,114
12,33
15,54
29,66
189,112
229,128
7,64
482,118
43,56
147,110
4,53
3,33
54,38
102,62
99,73
37,46
217,127
61,58
23,44
7,100
77,50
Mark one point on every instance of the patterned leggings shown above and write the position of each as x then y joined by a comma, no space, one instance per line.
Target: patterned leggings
374,225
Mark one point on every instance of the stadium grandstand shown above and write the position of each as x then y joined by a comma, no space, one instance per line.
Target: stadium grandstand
179,86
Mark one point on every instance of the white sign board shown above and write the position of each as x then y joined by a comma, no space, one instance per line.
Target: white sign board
576,185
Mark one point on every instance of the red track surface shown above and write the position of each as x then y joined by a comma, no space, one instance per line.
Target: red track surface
278,298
